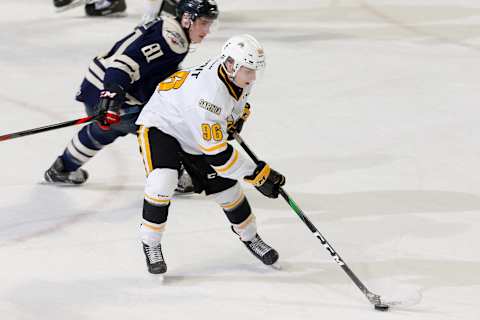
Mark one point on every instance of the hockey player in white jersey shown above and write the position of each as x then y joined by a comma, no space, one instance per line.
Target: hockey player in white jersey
188,120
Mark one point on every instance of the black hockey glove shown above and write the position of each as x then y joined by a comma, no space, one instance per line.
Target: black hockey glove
111,100
266,180
237,126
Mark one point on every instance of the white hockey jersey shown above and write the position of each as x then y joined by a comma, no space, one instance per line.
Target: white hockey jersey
194,106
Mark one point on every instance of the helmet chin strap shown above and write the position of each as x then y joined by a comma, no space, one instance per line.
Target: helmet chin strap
186,28
232,74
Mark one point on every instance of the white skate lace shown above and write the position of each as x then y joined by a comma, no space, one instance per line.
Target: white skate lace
154,253
258,246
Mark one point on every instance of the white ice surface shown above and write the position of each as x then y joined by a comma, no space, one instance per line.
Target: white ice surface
371,110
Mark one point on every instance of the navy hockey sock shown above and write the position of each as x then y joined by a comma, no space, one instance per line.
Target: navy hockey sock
85,145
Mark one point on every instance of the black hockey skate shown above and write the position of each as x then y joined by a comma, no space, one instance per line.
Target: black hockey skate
261,250
154,257
57,174
102,8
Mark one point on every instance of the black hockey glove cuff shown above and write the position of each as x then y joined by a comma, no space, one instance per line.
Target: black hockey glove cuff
111,100
266,180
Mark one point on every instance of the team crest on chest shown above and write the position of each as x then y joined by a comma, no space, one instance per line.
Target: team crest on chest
174,36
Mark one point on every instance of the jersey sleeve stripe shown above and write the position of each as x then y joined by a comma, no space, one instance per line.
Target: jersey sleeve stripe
96,70
127,65
221,146
229,164
94,80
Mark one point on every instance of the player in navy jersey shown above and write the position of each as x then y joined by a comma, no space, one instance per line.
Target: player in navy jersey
120,82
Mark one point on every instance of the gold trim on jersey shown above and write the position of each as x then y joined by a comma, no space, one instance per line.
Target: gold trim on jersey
234,90
144,143
215,147
233,159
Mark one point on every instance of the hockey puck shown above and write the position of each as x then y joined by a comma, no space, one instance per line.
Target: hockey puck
381,307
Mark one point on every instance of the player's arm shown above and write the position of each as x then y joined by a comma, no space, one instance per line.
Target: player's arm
229,163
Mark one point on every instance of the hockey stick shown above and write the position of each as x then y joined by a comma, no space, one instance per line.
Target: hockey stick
374,299
19,134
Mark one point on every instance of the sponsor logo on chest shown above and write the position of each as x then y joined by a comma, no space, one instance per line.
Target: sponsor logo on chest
209,106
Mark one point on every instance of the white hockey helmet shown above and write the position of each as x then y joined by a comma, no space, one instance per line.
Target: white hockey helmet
245,51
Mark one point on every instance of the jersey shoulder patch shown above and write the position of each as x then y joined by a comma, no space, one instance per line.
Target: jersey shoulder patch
174,36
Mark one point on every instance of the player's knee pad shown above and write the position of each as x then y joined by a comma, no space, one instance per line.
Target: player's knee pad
246,229
159,188
160,185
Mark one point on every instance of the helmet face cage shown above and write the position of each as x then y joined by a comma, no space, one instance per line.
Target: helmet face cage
198,8
245,51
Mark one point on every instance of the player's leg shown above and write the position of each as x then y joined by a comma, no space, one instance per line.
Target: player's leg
84,145
160,153
237,209
231,198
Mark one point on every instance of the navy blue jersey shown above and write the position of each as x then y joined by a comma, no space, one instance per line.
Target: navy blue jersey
137,63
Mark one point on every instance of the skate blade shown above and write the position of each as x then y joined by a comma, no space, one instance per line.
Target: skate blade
159,278
276,266
60,184
111,15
